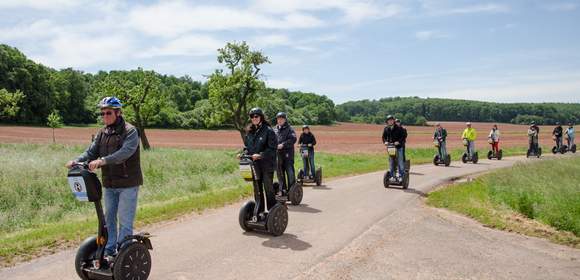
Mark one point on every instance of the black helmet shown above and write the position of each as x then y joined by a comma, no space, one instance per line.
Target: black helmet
281,115
533,123
305,127
397,120
256,111
557,123
390,117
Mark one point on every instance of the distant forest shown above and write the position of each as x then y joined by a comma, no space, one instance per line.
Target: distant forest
30,91
417,111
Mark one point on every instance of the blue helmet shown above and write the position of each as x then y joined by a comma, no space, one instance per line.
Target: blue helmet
111,103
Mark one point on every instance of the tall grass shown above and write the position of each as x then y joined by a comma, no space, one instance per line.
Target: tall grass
38,211
546,191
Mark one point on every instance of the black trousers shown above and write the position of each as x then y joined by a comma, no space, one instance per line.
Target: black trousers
263,187
285,171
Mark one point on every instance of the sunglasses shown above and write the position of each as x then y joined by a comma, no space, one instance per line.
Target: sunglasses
106,113
255,116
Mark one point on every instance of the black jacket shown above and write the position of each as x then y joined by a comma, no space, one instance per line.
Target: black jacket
287,137
392,134
307,138
557,131
404,136
262,140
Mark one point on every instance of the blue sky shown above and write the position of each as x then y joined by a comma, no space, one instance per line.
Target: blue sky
507,51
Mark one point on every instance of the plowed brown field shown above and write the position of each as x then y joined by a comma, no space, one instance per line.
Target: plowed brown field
339,138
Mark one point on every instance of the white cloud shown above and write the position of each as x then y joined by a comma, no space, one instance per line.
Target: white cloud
430,34
38,30
170,18
290,83
75,50
39,4
442,8
189,45
352,11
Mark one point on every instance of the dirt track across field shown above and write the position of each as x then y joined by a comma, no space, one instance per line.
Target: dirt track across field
350,228
340,138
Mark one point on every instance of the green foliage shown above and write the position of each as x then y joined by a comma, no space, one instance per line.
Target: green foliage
547,191
9,103
54,120
233,91
415,110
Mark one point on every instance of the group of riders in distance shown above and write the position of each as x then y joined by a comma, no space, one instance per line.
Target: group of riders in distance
117,253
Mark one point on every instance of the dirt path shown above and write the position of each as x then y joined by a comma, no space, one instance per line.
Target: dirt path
351,228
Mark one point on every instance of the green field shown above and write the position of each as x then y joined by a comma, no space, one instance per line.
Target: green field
38,213
524,198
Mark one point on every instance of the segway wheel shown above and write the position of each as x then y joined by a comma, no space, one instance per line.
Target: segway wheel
406,181
276,187
448,160
489,155
539,152
295,194
436,160
133,262
500,155
464,158
563,149
300,174
528,153
475,158
386,179
554,150
573,149
245,214
277,220
85,255
319,177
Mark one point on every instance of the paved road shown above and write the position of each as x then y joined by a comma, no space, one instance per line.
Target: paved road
351,228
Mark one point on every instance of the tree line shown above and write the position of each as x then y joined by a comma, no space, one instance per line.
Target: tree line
417,111
30,92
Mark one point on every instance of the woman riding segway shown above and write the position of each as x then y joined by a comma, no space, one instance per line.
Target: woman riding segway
440,141
309,174
493,139
260,156
570,135
533,140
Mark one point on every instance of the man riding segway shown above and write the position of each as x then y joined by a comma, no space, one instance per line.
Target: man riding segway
404,142
557,134
393,137
469,135
286,138
440,141
115,150
533,140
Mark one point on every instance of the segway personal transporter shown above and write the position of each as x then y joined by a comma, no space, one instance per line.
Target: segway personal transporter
250,218
492,154
294,194
534,150
440,158
302,179
467,155
569,148
393,179
558,148
133,260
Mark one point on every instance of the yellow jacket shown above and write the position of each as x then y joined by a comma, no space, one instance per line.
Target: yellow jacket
469,134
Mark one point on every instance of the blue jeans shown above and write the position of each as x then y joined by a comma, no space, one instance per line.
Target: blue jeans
120,203
309,164
442,150
400,162
471,148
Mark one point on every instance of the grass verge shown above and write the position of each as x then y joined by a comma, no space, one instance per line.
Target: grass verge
38,215
540,199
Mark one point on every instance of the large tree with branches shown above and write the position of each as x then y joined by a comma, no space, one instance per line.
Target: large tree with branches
232,90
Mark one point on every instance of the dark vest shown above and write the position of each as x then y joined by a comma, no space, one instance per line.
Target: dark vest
126,174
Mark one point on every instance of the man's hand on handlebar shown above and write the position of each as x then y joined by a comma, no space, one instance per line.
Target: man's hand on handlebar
93,165
70,164
256,156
